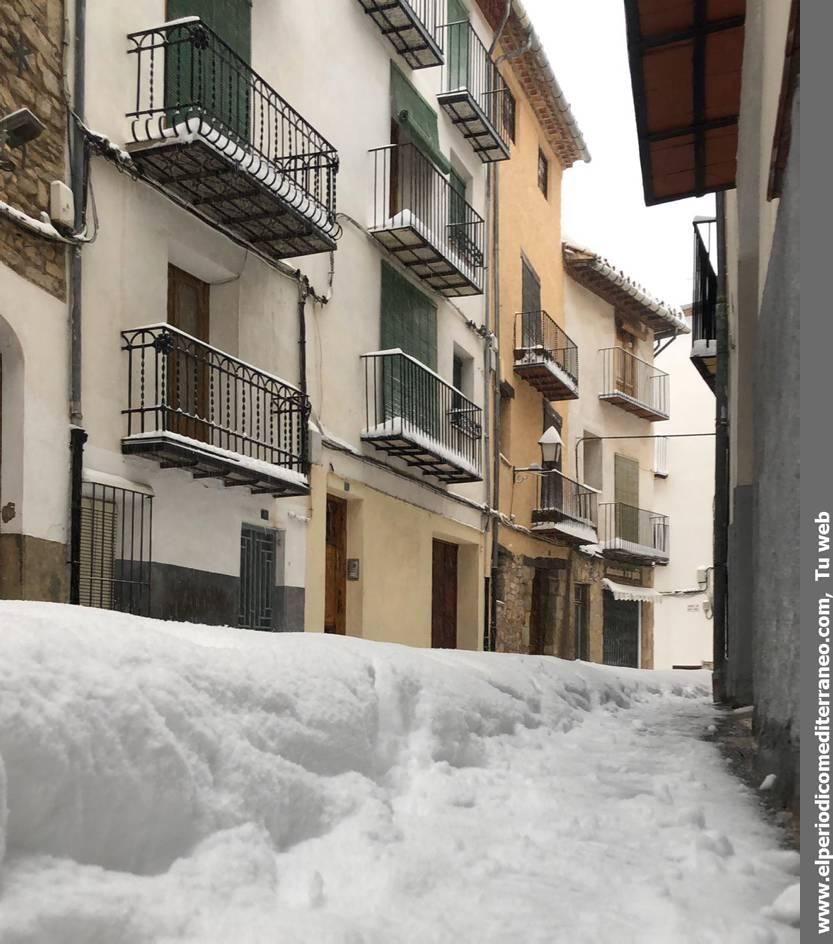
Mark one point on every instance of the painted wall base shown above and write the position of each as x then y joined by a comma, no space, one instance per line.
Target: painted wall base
33,569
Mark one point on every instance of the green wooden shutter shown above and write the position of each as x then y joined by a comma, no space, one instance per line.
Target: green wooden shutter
409,322
458,45
410,110
626,491
209,82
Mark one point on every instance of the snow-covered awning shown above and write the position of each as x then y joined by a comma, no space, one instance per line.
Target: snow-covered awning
622,591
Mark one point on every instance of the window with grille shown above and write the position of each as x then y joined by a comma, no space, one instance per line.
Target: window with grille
543,173
582,621
257,576
114,564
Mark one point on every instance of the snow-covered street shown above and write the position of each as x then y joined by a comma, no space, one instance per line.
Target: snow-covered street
173,783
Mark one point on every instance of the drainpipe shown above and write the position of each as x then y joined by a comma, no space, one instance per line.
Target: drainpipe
721,464
78,179
495,395
303,294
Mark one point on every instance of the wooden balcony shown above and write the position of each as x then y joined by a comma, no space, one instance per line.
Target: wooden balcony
545,357
474,92
219,141
565,509
191,406
430,228
412,414
634,385
633,535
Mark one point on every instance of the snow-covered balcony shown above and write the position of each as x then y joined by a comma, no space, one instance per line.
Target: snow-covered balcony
545,357
412,26
704,303
565,508
633,534
428,225
191,406
220,141
414,415
634,385
474,93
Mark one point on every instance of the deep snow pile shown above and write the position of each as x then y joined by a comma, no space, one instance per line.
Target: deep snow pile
172,783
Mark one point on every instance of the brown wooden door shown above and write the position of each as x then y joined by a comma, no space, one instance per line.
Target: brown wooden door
188,370
335,578
444,596
625,364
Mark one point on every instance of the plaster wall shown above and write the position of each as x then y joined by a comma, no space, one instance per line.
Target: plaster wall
684,634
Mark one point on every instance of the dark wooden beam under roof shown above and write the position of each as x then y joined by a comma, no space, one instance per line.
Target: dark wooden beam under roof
686,58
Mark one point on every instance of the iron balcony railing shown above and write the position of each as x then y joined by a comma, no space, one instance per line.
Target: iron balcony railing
562,497
539,338
633,531
191,83
411,194
469,68
704,303
630,381
436,426
186,389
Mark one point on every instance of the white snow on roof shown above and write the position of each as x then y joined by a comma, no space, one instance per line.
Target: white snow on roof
670,314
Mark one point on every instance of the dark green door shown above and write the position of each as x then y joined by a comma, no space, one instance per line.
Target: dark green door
621,631
458,45
533,335
210,77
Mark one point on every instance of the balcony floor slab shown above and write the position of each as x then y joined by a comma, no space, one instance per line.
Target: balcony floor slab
428,256
546,375
631,405
203,460
474,124
256,206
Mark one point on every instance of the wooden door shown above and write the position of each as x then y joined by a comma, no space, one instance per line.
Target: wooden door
187,393
335,578
533,335
444,596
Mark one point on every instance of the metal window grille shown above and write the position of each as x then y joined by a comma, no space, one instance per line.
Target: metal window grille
115,555
258,548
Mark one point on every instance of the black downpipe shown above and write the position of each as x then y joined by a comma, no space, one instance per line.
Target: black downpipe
78,436
721,464
303,293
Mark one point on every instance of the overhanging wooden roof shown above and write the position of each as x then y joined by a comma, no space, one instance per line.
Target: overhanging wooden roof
595,273
686,58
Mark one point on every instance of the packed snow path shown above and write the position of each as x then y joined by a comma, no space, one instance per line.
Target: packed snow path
168,783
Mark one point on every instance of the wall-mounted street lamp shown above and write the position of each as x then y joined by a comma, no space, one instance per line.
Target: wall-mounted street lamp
16,131
551,445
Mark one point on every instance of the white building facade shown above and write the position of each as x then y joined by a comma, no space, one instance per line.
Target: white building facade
285,347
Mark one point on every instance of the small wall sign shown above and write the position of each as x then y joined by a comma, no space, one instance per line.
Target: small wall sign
352,568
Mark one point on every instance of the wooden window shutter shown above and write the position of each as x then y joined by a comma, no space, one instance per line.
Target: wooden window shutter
231,20
409,319
626,480
98,538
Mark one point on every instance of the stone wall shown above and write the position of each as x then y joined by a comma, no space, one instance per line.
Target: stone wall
31,63
514,594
